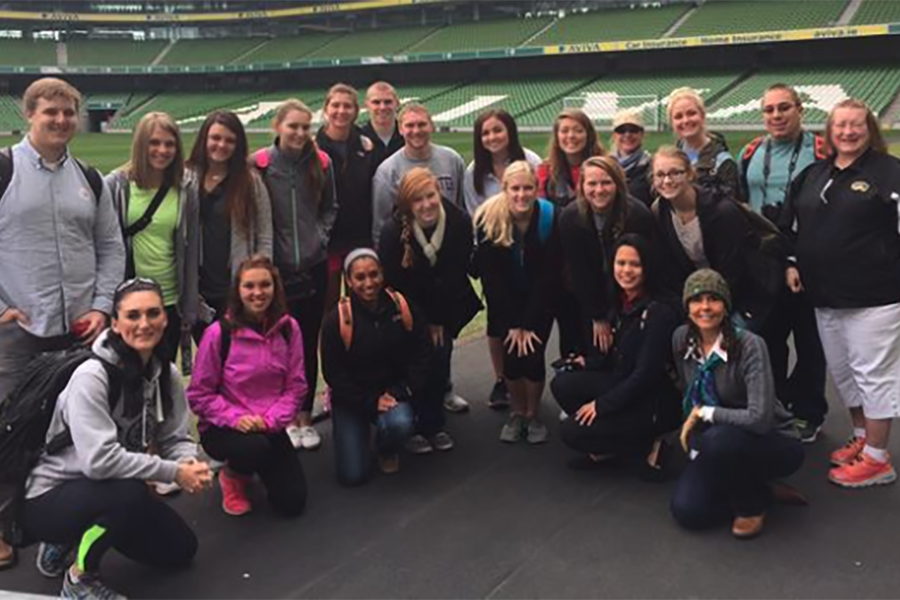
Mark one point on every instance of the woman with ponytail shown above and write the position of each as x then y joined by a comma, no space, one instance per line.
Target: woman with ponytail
426,251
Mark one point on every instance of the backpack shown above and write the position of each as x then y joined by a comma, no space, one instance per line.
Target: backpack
345,315
25,416
227,327
6,172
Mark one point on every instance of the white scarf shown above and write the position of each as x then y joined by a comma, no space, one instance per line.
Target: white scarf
431,248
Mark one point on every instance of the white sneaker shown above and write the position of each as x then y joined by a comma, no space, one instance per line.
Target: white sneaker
455,404
166,489
563,415
305,437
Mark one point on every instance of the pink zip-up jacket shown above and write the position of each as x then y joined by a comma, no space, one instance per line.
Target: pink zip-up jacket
262,376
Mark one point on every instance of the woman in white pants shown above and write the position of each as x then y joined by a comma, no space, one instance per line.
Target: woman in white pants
844,212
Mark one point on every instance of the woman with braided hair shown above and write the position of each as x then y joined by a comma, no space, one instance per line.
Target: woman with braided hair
426,251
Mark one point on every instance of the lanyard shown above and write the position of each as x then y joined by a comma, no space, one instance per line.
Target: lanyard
767,166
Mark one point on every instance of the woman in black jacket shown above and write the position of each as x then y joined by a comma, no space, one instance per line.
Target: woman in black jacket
426,251
621,400
698,229
353,164
375,356
589,229
518,257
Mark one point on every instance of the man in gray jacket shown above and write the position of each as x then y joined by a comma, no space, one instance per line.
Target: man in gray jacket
447,165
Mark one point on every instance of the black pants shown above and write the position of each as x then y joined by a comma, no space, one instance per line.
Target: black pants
532,367
624,432
570,323
117,513
172,335
730,476
269,455
308,312
804,390
429,406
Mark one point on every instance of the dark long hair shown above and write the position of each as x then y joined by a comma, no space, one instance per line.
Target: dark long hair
134,371
651,278
239,190
483,161
236,313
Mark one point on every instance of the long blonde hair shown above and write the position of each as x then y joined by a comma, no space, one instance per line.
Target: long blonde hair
494,216
138,168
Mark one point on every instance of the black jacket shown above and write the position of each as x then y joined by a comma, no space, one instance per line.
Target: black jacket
726,234
638,174
716,168
383,355
443,292
588,253
848,248
353,183
382,151
510,304
640,362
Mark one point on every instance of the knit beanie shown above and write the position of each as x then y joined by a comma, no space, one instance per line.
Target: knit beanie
706,281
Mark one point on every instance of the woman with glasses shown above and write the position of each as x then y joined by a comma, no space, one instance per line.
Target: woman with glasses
245,391
628,149
158,215
235,214
300,180
91,495
844,212
697,230
709,155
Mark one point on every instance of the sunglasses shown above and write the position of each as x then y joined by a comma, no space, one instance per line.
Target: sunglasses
137,282
632,129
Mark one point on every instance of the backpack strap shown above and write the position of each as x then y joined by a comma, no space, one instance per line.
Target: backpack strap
224,340
262,159
819,147
94,179
402,306
545,219
6,169
324,159
345,321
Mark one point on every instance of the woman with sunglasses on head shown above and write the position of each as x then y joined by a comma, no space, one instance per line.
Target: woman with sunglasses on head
738,435
495,145
619,400
696,230
300,180
376,351
628,142
589,229
158,215
426,250
842,215
518,257
234,210
91,495
245,390
708,152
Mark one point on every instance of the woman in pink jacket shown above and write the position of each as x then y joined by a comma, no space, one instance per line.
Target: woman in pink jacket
246,387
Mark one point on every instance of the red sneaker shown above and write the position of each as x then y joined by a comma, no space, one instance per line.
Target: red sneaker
863,472
848,452
234,493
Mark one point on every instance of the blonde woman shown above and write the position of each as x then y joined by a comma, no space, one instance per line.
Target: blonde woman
518,256
159,220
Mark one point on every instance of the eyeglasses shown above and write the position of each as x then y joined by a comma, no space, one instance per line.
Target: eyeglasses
626,129
673,175
136,282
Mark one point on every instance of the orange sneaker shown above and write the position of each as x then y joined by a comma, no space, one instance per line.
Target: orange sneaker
863,472
848,452
234,493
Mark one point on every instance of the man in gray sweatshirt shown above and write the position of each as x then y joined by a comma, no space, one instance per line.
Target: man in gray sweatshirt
447,165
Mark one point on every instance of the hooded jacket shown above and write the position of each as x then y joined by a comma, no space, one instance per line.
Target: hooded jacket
716,168
110,445
262,376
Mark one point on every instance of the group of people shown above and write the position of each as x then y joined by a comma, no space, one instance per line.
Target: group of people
656,268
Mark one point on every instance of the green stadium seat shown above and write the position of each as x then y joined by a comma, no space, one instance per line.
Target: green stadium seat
27,53
610,25
505,33
731,16
873,12
109,53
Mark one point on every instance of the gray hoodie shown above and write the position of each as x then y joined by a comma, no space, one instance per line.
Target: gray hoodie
98,451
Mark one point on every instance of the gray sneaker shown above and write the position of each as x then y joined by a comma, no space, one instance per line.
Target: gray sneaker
88,587
455,404
53,559
537,432
513,429
442,441
417,444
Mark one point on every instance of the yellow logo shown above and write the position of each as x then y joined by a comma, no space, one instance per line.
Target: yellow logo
859,186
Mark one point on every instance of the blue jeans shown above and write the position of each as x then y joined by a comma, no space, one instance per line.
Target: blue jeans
730,477
352,438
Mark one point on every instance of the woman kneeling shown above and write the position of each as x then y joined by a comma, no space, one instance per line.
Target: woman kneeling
92,495
737,433
246,388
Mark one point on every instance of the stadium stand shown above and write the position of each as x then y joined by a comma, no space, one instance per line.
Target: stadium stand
729,16
610,25
877,11
505,33
209,52
184,105
11,118
287,49
112,52
378,42
820,89
27,53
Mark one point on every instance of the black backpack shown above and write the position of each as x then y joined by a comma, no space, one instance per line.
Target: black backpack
25,416
94,179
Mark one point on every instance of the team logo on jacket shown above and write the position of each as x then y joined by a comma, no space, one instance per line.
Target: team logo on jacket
85,194
859,186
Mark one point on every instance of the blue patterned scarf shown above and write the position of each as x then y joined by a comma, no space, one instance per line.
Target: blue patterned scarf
702,390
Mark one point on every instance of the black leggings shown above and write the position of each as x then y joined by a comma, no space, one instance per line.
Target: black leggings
532,367
308,312
269,455
115,513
